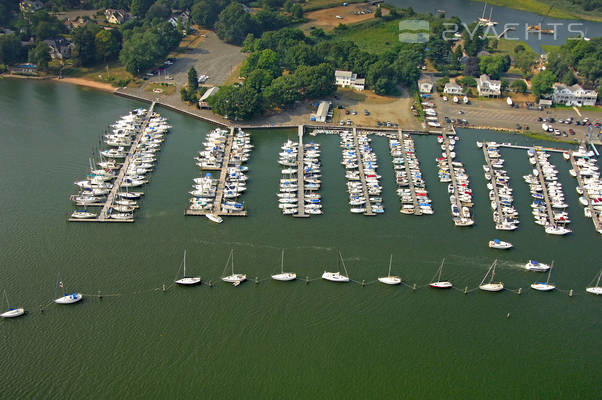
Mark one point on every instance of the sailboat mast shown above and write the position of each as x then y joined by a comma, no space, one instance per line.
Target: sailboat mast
282,262
490,14
440,270
390,261
484,7
184,262
550,272
599,276
232,252
343,262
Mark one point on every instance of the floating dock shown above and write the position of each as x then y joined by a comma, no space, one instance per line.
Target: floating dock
404,155
593,212
544,189
494,184
104,213
360,164
300,177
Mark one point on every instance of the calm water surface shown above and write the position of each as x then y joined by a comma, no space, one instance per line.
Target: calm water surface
275,340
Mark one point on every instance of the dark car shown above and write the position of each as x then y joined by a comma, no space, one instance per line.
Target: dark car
571,131
347,112
539,119
551,119
518,126
526,127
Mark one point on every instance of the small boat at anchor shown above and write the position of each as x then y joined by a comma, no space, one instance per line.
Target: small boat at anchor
390,279
215,218
337,276
188,280
12,312
491,286
284,276
545,286
234,279
439,284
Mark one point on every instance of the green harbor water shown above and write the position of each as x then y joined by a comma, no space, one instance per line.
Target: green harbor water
276,340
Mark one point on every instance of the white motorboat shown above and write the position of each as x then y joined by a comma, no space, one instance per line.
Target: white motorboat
233,278
188,280
83,215
439,284
557,230
491,286
536,266
390,279
12,312
215,218
337,276
498,244
545,286
284,276
597,289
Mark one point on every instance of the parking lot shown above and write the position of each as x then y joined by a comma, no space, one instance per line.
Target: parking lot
496,113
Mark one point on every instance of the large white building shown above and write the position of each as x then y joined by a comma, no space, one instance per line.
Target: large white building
452,88
573,95
425,85
489,87
349,79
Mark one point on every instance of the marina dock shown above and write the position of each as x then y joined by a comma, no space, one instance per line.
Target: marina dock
104,213
545,193
360,162
493,183
452,173
300,177
593,212
417,210
219,194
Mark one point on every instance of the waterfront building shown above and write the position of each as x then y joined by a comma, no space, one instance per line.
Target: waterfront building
349,79
489,87
573,95
116,16
210,92
425,85
322,113
452,88
59,48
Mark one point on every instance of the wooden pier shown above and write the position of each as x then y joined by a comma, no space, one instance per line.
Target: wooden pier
595,214
219,193
300,177
544,189
493,183
360,163
452,173
417,210
104,215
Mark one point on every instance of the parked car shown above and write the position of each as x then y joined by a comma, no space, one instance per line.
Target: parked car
347,112
571,131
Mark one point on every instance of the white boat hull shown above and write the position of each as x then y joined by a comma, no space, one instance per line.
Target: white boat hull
390,280
492,287
334,277
441,285
543,287
285,276
14,313
189,281
69,299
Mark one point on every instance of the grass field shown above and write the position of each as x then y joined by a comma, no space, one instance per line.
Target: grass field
165,88
562,9
506,46
312,5
116,74
374,38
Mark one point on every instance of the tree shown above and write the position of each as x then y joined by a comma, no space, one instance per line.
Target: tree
259,79
378,13
519,86
84,50
205,13
472,66
40,55
467,81
297,11
140,7
11,50
524,60
107,44
288,5
568,78
236,102
269,60
440,84
542,83
472,39
494,66
504,83
193,79
233,24
158,10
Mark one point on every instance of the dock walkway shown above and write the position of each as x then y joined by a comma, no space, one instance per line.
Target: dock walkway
104,215
452,173
360,163
544,189
595,214
300,177
417,210
493,183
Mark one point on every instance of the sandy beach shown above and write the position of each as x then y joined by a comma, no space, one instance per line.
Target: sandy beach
106,87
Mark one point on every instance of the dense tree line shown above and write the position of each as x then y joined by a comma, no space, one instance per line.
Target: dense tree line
147,46
584,57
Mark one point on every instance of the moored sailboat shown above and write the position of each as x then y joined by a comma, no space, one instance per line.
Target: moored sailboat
337,276
390,279
188,280
234,279
439,284
284,276
12,312
491,286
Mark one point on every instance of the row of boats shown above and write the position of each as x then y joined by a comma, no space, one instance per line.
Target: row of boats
589,188
229,275
453,173
549,205
430,114
505,215
411,187
289,161
360,161
132,146
226,152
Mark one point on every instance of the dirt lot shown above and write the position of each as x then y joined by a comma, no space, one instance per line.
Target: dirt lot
327,18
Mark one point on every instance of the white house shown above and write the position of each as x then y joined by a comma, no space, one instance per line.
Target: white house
116,16
425,86
349,79
489,87
573,95
452,88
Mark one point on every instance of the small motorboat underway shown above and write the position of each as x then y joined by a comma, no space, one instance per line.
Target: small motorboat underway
188,280
234,279
284,276
439,284
390,279
491,286
533,265
498,244
69,298
215,218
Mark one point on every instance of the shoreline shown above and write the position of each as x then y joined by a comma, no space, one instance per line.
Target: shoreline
107,88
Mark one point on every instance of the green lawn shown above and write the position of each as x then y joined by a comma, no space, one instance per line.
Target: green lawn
313,5
374,38
562,9
506,46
